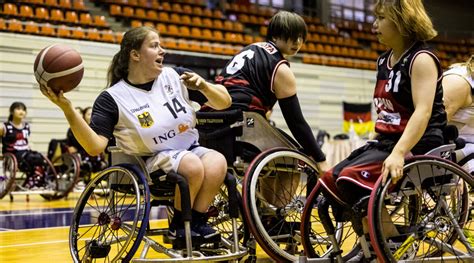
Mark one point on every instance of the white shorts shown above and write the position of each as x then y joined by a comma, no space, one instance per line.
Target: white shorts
169,160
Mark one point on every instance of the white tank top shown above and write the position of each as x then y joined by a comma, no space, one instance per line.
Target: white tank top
156,120
464,118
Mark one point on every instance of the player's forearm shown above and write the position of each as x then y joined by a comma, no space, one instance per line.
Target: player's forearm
87,138
217,96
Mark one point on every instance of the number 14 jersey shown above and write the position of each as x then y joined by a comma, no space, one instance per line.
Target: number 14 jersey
156,120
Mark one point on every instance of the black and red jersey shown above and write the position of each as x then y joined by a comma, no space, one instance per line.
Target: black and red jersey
393,94
14,139
249,76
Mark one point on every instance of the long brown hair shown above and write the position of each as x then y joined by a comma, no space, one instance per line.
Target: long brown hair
409,16
132,40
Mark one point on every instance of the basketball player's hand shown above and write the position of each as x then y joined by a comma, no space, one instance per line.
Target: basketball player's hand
393,166
56,98
193,81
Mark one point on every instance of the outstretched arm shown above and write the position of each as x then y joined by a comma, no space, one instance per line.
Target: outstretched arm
216,94
285,91
93,143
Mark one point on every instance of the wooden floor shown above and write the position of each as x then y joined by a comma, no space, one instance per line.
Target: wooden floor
38,230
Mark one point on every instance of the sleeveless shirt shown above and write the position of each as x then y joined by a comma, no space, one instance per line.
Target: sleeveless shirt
249,77
464,117
15,139
393,99
156,120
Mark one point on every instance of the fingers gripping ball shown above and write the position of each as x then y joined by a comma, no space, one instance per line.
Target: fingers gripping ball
59,67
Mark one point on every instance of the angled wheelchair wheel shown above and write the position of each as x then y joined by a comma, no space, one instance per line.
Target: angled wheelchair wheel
274,195
67,168
424,214
110,228
7,177
316,241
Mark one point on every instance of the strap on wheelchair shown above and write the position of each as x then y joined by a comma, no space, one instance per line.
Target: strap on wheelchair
231,185
184,190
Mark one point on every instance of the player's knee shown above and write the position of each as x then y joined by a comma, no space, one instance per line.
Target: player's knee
215,165
192,168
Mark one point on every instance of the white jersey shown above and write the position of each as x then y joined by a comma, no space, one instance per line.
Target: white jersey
156,120
464,118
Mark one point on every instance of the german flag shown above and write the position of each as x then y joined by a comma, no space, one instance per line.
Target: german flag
359,115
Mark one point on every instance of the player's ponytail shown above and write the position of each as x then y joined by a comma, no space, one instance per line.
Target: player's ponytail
132,40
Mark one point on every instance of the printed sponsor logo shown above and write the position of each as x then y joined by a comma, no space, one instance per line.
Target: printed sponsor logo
146,106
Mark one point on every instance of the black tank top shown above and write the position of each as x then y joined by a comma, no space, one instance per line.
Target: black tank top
14,139
249,77
393,95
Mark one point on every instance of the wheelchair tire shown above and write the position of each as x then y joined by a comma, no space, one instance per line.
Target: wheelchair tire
110,229
316,241
7,177
67,169
275,223
421,206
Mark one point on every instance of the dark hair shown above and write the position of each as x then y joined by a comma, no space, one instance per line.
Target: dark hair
132,40
287,26
84,111
15,105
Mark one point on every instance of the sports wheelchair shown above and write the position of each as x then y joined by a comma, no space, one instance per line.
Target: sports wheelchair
429,208
274,177
113,228
36,174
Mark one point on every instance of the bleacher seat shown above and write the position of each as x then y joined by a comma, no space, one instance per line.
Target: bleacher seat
65,3
63,31
3,26
140,13
79,5
15,25
71,17
100,21
85,19
10,9
26,11
51,2
41,13
31,27
152,14
56,15
47,30
78,33
115,10
93,34
108,36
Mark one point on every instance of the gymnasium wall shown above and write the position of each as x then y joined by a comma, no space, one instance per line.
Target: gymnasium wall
321,89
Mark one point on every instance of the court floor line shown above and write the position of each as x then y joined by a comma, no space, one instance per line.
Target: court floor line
34,244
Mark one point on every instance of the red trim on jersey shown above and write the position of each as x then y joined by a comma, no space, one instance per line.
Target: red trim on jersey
432,55
235,82
274,73
358,116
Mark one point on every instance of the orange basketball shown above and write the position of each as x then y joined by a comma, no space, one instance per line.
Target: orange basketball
59,67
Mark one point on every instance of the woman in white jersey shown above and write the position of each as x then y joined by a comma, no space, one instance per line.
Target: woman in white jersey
147,109
458,90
